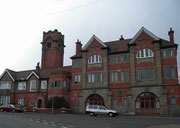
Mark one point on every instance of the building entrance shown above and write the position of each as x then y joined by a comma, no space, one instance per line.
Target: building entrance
94,99
147,104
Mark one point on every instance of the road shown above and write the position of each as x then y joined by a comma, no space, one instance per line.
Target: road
37,120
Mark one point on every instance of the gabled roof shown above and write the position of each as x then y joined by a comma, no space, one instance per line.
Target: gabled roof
146,31
9,72
32,73
91,40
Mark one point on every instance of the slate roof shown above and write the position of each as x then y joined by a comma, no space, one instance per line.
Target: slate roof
42,73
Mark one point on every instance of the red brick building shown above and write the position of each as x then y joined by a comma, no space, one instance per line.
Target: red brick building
133,76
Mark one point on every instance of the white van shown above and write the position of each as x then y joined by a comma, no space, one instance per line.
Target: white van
95,110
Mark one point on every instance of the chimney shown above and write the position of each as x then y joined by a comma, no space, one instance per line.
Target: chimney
122,38
78,47
171,35
37,67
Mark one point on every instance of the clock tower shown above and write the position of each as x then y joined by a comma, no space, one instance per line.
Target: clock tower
52,50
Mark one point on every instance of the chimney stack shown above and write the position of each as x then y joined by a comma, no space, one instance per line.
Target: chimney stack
37,67
171,35
122,38
78,47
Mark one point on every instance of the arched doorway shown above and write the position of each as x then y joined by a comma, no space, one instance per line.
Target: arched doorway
94,99
147,104
39,103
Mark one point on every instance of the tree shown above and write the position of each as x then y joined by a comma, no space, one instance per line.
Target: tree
59,102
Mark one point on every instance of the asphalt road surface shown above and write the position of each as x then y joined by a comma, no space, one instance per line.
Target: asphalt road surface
37,120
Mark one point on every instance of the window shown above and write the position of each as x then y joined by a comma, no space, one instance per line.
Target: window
114,76
64,83
21,101
55,83
77,78
4,100
173,100
144,53
6,85
120,93
77,63
125,75
124,58
95,77
75,102
21,85
48,45
32,85
114,102
168,53
43,84
113,59
169,73
94,59
31,103
145,74
124,99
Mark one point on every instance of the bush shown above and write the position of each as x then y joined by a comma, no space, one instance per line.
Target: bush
18,105
59,102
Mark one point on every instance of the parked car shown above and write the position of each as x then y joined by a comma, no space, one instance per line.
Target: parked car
11,108
94,110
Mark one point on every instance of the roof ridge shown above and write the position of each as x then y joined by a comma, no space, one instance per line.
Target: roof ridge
119,40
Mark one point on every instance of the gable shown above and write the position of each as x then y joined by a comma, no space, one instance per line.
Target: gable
6,76
32,74
93,41
143,33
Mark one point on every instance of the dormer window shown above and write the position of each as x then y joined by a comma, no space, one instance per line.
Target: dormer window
144,53
48,45
94,59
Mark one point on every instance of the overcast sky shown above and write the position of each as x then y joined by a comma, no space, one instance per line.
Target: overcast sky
23,22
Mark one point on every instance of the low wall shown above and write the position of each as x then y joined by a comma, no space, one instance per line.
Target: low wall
49,110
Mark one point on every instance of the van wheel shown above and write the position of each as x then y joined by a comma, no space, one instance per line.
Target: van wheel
91,113
111,114
1,110
13,110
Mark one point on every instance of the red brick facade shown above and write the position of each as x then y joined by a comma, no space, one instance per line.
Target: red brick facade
133,76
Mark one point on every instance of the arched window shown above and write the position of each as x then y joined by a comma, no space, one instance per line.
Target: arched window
94,59
48,45
144,53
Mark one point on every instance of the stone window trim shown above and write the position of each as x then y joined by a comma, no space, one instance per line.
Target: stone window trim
168,53
144,53
173,100
113,59
56,83
92,77
124,78
141,68
77,78
114,101
119,93
94,59
113,77
77,63
174,72
122,59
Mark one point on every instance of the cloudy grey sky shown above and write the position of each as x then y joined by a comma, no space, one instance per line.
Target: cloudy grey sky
23,22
